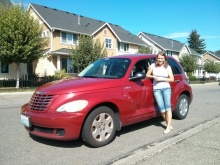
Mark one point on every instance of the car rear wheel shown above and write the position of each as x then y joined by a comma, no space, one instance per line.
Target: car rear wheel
182,107
100,127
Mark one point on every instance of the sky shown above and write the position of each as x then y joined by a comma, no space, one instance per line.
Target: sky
174,19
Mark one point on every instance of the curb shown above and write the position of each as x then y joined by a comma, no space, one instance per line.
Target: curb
213,83
149,151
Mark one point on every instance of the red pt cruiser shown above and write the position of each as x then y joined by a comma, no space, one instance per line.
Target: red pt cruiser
108,94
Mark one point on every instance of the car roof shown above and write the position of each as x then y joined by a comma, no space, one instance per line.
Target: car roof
137,56
134,56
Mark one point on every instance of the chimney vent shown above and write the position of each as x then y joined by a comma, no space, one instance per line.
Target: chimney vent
78,19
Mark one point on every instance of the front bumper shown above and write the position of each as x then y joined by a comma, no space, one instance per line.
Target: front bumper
59,126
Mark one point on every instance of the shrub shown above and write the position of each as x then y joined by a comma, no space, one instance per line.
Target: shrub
62,74
192,78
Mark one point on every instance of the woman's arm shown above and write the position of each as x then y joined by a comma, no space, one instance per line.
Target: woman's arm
149,73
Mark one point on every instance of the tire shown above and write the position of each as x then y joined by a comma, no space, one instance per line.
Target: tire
182,107
99,128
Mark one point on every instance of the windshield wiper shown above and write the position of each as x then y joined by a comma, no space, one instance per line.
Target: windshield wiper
90,76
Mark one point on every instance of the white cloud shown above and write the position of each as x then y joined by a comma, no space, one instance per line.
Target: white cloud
186,35
207,37
178,35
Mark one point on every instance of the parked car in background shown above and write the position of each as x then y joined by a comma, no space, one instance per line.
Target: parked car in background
110,93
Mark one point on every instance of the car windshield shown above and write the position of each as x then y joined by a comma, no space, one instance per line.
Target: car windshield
106,68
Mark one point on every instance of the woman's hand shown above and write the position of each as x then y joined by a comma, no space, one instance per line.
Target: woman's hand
159,78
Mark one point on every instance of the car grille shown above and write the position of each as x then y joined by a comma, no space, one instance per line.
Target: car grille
40,102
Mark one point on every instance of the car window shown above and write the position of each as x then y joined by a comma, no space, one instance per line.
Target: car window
175,66
106,68
140,66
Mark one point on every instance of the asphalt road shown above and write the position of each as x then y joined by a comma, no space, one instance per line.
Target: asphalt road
17,147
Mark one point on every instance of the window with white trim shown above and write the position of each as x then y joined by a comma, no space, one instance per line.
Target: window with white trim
169,53
108,43
68,38
46,33
123,46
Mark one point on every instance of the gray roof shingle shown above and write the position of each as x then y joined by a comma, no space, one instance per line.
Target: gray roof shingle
165,43
70,22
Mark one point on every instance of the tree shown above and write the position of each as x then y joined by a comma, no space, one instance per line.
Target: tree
87,51
217,52
20,37
189,63
212,67
144,50
196,43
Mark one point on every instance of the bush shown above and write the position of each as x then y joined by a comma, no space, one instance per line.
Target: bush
62,74
192,78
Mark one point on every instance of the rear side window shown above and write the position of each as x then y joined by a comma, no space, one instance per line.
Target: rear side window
175,66
140,66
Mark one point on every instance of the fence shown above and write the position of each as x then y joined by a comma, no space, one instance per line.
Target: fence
30,84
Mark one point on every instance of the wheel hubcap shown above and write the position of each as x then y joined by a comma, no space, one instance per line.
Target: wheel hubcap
102,127
183,107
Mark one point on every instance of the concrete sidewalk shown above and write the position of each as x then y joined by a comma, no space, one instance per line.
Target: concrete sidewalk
210,83
198,145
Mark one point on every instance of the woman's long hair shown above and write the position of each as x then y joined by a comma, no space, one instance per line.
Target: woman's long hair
165,57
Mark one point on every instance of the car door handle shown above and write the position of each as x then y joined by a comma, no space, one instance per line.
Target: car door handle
177,81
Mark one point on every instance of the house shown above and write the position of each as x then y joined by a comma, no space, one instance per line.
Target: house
171,47
62,29
209,57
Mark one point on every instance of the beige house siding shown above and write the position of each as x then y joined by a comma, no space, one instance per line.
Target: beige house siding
209,57
50,63
104,33
56,42
155,49
13,71
133,49
40,68
46,66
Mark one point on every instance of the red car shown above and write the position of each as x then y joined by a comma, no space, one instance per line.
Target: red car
108,94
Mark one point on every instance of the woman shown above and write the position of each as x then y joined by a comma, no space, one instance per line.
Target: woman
162,74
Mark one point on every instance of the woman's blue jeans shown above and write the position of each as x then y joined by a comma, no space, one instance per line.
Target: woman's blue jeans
163,99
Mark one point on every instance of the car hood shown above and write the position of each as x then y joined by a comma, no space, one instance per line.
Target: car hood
78,85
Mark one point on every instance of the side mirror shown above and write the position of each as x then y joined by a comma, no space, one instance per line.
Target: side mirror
138,76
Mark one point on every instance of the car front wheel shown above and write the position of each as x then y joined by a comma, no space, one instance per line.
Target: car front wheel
100,127
182,107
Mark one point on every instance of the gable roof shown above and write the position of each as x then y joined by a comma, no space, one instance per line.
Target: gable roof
70,22
210,53
192,51
164,43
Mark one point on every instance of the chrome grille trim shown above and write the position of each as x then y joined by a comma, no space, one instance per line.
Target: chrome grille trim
40,102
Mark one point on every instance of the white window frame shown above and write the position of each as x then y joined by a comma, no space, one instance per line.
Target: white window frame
46,33
123,46
108,43
69,39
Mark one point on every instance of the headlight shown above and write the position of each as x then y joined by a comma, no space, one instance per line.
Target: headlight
73,106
